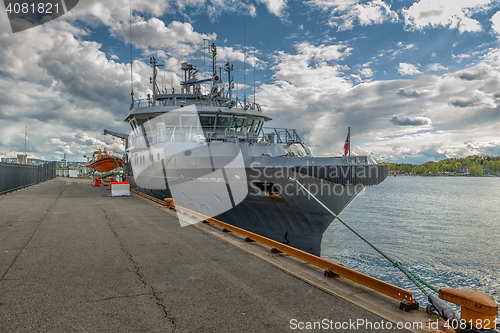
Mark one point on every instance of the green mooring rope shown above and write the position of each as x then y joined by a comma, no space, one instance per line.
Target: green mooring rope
417,280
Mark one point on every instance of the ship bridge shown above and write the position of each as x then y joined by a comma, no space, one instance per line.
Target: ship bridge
196,112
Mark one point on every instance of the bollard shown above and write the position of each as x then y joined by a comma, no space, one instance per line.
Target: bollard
169,202
97,181
478,309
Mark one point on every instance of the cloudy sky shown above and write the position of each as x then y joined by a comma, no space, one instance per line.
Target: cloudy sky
415,80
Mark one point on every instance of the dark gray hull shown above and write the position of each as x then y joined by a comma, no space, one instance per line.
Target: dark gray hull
275,207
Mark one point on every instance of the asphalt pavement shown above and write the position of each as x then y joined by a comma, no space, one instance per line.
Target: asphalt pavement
73,258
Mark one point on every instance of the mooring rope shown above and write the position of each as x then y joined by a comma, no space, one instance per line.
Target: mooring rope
417,280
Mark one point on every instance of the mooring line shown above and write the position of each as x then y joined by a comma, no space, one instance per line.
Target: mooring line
417,280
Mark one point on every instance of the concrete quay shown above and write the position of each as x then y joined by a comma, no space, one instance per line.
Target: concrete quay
73,258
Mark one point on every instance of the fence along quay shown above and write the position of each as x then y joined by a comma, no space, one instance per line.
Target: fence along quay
14,177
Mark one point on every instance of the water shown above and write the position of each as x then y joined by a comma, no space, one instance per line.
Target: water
445,229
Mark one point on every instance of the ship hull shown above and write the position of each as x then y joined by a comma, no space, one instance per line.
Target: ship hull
274,205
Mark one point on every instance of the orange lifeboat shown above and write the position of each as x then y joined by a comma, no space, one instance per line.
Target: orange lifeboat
103,161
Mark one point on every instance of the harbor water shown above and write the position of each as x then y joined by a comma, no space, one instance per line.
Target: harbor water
445,229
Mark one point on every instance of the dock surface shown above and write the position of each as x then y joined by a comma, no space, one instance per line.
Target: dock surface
73,258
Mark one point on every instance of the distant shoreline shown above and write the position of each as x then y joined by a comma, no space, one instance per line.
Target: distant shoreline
443,175
471,166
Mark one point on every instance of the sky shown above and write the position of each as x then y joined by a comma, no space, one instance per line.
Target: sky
415,81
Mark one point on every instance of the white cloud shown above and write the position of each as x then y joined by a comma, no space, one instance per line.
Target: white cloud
182,4
404,120
66,89
304,86
115,13
366,72
408,69
455,14
374,12
179,38
495,19
275,7
59,87
409,46
344,14
436,145
436,67
297,70
464,107
402,47
58,82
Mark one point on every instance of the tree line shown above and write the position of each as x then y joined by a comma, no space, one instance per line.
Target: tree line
478,166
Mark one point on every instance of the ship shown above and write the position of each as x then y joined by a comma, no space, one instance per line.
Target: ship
212,153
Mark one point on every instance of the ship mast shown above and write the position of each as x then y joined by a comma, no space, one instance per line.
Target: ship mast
215,77
152,80
229,68
131,56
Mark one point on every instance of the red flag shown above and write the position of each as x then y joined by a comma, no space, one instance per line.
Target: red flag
347,143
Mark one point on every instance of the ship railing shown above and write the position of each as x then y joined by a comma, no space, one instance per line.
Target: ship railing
164,134
181,101
247,104
144,102
358,160
178,134
278,135
136,141
137,103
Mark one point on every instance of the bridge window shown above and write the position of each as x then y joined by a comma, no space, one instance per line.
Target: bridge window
257,126
134,123
362,160
153,122
223,122
189,121
141,121
238,123
171,120
207,122
249,122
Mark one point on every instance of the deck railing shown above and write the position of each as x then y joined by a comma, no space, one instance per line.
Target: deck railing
180,134
279,135
185,100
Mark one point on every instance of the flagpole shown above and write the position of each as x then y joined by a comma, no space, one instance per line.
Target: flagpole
349,141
